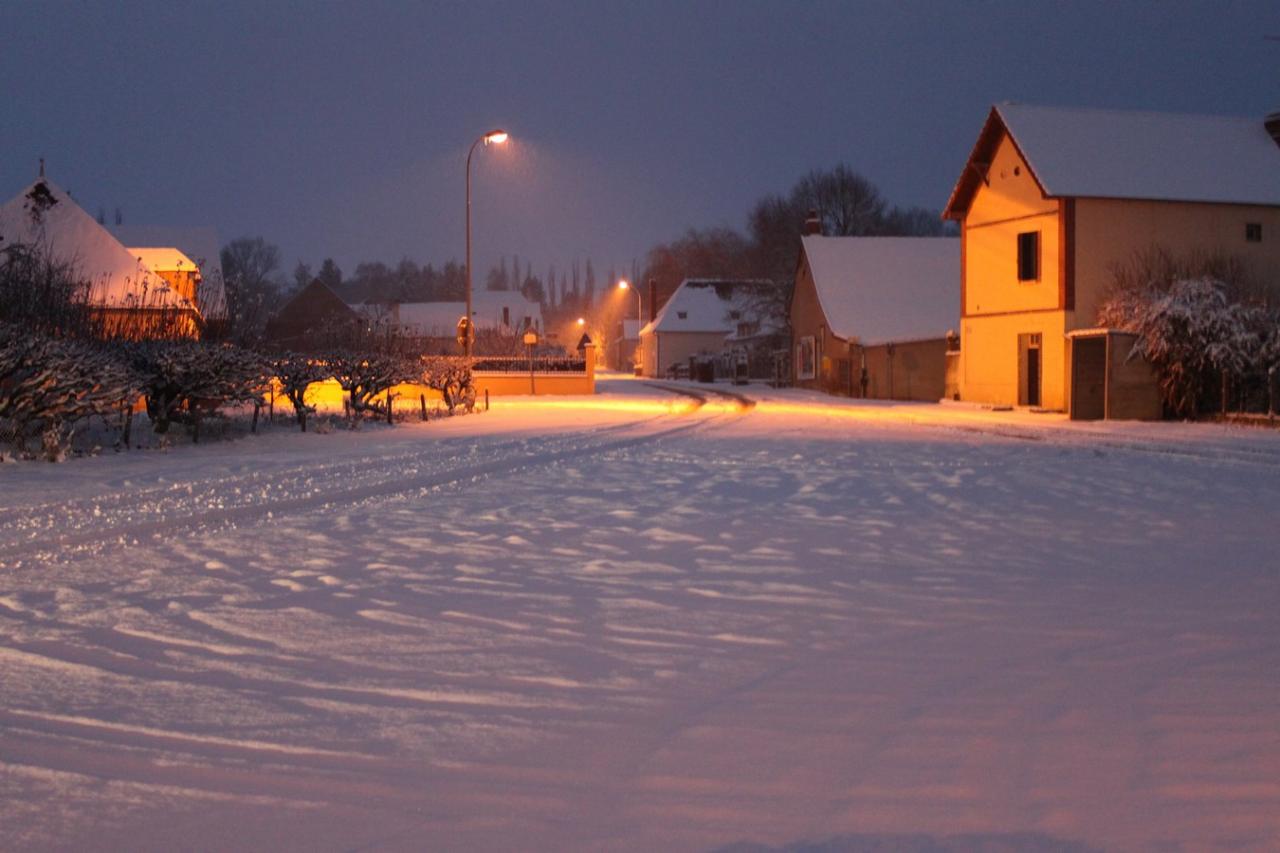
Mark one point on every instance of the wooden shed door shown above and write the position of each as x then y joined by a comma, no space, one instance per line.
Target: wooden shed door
1088,379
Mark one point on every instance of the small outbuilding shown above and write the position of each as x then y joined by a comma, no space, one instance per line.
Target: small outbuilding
705,320
874,316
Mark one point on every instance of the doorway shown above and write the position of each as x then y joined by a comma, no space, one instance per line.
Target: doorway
1088,378
1029,369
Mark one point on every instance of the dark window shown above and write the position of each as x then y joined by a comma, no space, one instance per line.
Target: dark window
506,316
683,315
1253,232
1029,256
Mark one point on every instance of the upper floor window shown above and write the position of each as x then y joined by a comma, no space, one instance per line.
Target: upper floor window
683,315
1029,256
1253,232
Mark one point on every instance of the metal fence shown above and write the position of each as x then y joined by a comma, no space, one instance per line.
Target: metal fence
525,364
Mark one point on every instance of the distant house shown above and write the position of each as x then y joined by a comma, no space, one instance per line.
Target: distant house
313,318
699,320
870,315
1052,200
622,355
127,297
198,244
505,311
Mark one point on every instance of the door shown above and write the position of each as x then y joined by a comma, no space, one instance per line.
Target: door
1088,378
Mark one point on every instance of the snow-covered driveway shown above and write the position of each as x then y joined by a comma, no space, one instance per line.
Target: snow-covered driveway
635,624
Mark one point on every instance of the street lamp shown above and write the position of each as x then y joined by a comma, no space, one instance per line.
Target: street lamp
494,137
626,285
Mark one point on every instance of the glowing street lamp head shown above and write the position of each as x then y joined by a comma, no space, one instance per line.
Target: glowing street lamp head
582,321
624,284
495,137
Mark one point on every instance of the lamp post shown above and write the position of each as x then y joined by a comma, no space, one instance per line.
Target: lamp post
530,341
626,285
495,137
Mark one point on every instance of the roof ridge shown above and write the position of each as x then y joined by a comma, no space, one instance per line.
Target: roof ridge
1123,111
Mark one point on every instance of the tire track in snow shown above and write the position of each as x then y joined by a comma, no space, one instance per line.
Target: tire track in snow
18,552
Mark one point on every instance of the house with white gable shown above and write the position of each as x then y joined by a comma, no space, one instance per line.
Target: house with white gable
1053,200
182,252
704,318
874,316
126,296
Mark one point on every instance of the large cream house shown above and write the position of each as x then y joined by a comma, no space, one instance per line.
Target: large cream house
1052,200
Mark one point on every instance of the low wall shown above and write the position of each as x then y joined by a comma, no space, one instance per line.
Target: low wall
511,384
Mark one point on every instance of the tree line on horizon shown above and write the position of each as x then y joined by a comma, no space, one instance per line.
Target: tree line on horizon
845,202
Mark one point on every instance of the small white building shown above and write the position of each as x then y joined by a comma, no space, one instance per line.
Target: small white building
506,311
698,321
197,244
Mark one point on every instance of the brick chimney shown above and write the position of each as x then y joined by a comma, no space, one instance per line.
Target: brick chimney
812,224
653,299
1272,123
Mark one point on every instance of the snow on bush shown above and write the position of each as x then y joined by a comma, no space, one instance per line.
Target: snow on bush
296,373
1193,334
450,376
364,375
182,378
50,386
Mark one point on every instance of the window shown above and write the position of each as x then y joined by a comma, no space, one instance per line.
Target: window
734,315
1029,256
1253,232
506,316
682,315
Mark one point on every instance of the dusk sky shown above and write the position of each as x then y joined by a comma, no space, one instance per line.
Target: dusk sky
342,129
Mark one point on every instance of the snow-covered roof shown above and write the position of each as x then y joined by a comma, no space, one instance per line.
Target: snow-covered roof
882,289
701,305
199,243
440,319
44,215
1095,153
164,259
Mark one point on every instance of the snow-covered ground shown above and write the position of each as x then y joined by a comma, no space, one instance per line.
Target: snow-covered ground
639,622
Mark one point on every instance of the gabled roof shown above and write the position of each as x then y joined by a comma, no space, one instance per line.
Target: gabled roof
1094,153
701,305
883,289
44,215
199,243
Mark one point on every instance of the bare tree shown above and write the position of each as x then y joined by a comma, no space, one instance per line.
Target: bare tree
250,268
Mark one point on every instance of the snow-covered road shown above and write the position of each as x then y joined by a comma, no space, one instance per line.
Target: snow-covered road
642,622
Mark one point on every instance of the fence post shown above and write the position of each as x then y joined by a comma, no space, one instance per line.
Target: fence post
257,405
486,399
128,422
422,399
389,412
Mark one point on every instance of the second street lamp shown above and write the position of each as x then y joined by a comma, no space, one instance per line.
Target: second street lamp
493,137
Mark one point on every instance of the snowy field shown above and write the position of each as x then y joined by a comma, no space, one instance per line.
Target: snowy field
633,622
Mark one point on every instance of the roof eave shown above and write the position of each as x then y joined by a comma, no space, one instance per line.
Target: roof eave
993,129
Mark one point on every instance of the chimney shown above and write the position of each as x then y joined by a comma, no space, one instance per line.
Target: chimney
653,299
812,224
1272,123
